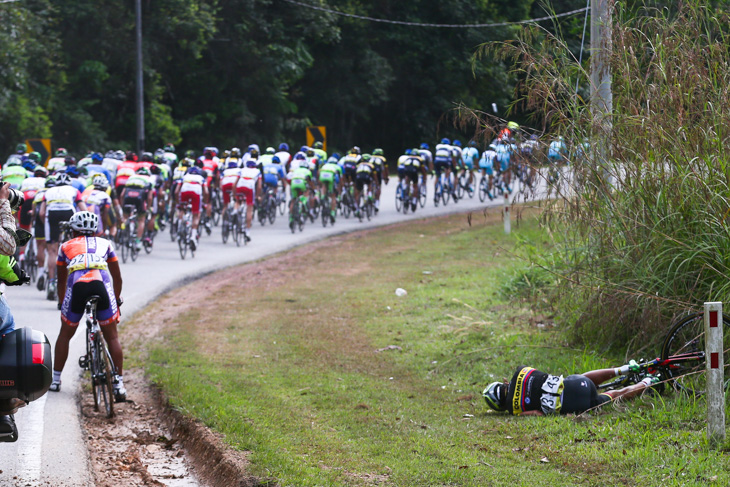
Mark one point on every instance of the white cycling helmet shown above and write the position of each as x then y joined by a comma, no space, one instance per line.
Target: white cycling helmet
100,182
84,222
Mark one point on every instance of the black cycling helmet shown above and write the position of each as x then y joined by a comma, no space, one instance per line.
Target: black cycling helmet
496,396
318,145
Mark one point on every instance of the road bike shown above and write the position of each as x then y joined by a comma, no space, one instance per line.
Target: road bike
281,198
443,189
463,185
327,211
366,206
30,259
682,359
298,214
128,234
404,188
227,218
216,201
399,190
422,192
98,361
185,231
485,188
347,200
686,338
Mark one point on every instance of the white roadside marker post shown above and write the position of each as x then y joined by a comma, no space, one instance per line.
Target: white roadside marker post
715,392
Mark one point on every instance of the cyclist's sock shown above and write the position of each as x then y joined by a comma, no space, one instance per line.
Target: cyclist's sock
56,376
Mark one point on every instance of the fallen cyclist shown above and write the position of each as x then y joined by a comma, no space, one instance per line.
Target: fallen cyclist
535,393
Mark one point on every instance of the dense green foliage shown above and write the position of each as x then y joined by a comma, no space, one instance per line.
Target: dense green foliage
242,71
645,225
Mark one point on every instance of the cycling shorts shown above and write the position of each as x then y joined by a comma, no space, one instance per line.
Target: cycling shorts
469,164
580,394
194,198
401,172
247,193
411,173
271,180
136,198
53,223
362,179
40,228
349,171
329,180
226,191
78,292
441,165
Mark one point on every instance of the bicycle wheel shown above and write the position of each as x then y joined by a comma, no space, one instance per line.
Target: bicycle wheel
483,188
422,193
281,198
173,225
446,189
272,209
302,215
460,182
124,243
217,207
182,240
347,204
236,229
91,366
399,197
325,216
104,386
687,336
406,199
225,225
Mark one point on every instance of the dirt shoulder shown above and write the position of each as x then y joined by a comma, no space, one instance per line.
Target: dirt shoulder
150,444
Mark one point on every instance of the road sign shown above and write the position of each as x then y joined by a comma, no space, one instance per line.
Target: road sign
42,146
317,134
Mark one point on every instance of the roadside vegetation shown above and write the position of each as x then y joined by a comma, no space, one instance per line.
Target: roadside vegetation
646,222
313,369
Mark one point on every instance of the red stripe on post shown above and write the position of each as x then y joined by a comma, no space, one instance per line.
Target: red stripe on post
713,319
38,353
714,360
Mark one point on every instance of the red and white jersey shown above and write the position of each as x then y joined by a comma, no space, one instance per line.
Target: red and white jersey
211,165
249,176
124,171
230,176
193,183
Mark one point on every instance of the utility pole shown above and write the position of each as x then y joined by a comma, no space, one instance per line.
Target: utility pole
601,96
140,85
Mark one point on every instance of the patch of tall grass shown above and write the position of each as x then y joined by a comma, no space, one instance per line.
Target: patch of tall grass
643,224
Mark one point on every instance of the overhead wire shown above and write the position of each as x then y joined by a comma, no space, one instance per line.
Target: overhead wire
422,24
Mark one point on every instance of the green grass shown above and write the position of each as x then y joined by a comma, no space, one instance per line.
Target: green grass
291,373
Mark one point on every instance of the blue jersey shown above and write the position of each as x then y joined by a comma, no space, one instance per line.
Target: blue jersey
273,173
99,169
470,156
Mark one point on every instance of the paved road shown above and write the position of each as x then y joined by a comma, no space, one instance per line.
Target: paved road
51,449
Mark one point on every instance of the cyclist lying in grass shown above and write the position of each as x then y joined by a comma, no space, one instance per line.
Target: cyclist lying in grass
535,393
